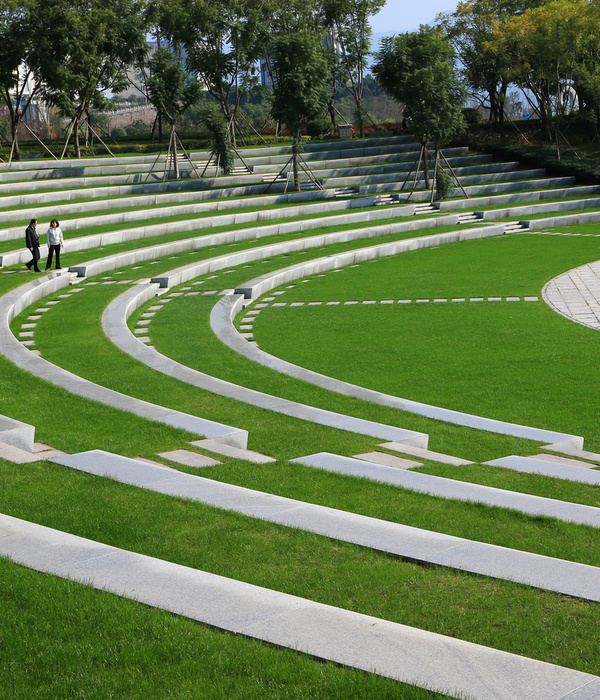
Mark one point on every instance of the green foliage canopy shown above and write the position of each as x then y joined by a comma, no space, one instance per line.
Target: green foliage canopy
417,70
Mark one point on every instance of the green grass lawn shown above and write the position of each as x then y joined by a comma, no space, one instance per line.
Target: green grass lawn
516,361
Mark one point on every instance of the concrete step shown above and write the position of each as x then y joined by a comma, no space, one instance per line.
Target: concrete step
425,454
278,177
471,217
564,460
570,578
345,191
434,661
547,468
309,186
189,459
15,454
386,199
513,227
454,489
574,451
426,208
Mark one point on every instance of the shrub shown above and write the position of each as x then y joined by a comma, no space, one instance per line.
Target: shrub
472,116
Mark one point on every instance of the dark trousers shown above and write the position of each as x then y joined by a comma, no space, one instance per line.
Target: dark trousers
34,260
51,250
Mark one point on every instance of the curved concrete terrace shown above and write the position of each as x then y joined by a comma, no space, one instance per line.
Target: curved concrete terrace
117,313
14,302
114,324
576,295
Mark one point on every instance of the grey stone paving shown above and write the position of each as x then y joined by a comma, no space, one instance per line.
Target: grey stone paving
455,489
388,460
425,454
570,578
425,659
564,460
233,452
532,465
189,458
576,295
568,449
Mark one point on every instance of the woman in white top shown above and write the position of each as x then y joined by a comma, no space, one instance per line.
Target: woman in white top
54,239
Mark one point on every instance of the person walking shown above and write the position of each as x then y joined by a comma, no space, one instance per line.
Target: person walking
32,241
55,241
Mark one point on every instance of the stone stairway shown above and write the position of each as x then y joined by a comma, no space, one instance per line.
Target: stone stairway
426,208
469,218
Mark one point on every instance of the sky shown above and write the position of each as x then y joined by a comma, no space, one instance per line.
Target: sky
400,16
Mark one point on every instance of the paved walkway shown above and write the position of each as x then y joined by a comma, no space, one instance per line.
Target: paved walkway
576,294
570,578
439,663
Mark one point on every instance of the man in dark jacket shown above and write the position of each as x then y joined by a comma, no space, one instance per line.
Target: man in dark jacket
32,241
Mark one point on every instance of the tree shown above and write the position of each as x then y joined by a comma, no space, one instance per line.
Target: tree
300,85
171,90
545,45
350,44
470,29
223,42
23,37
417,70
221,145
91,43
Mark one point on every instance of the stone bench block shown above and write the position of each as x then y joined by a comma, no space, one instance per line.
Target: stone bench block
14,432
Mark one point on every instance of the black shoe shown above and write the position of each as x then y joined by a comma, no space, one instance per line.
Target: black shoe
59,268
37,269
46,269
28,266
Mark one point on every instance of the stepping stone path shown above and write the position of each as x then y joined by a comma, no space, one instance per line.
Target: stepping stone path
424,454
233,452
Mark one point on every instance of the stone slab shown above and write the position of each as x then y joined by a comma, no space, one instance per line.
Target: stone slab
14,454
563,460
568,449
233,452
16,433
388,460
425,454
547,468
189,458
413,656
442,487
570,578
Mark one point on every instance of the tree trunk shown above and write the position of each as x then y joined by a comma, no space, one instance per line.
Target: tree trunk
76,136
296,150
14,130
425,164
174,153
